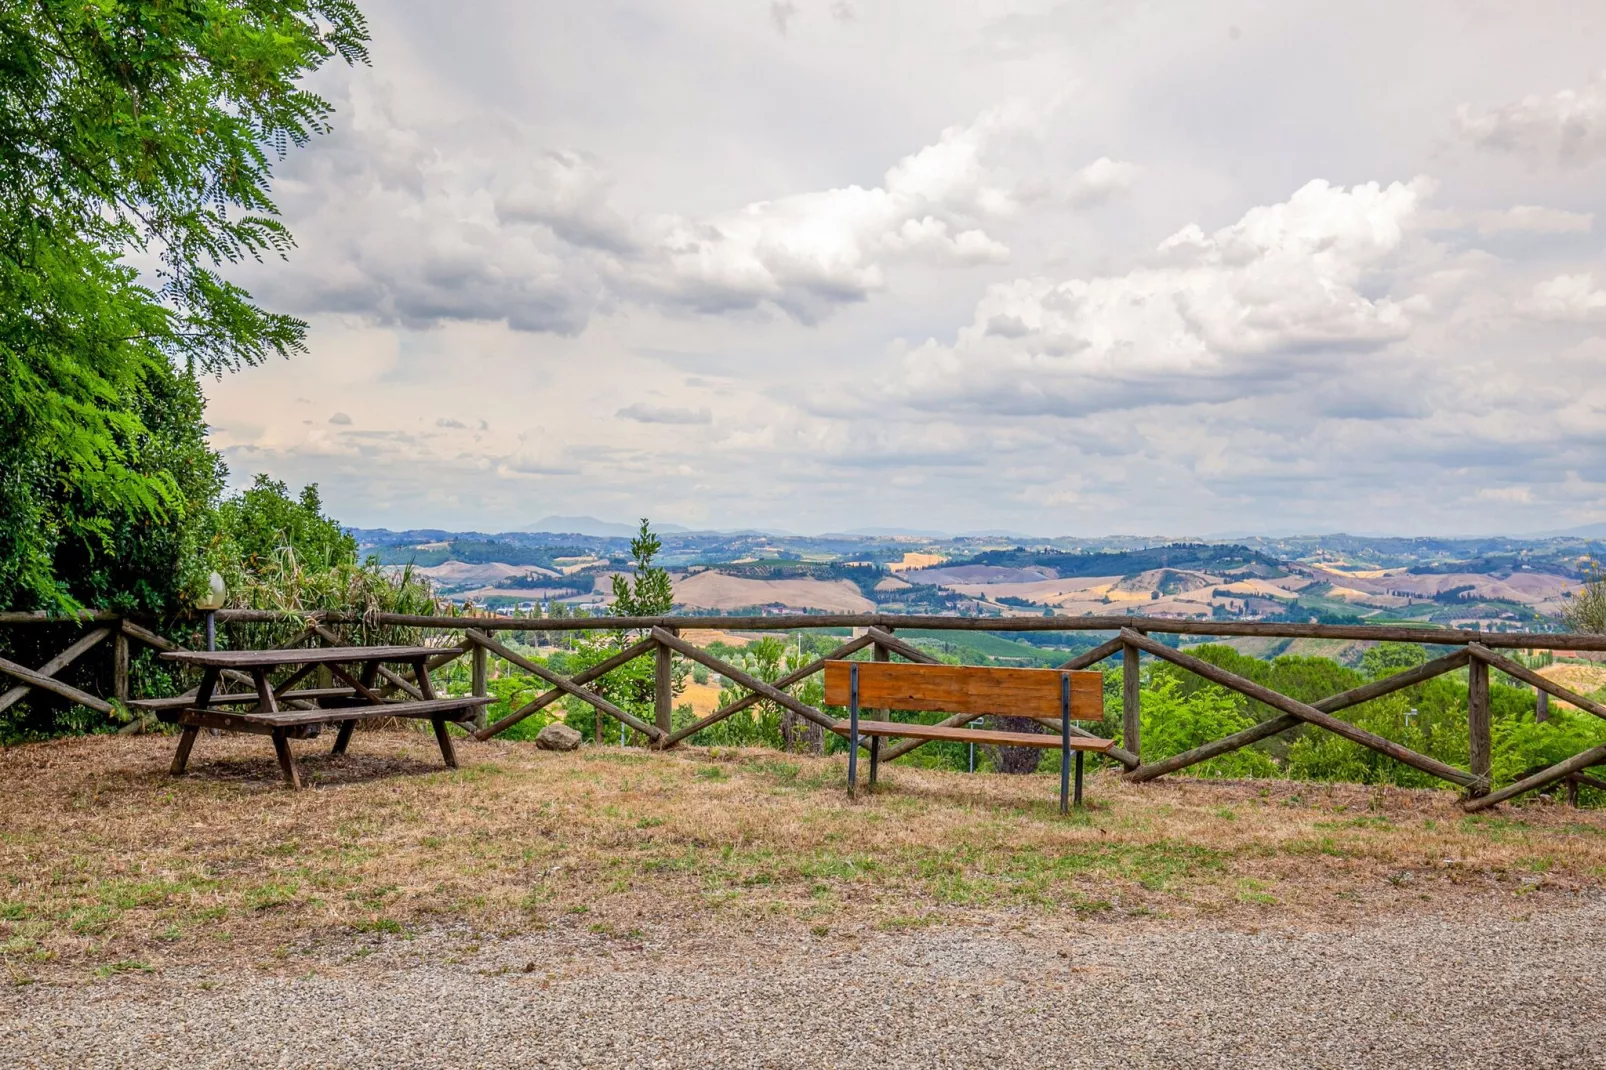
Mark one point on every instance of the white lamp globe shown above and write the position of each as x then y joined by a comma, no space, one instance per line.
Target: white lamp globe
216,594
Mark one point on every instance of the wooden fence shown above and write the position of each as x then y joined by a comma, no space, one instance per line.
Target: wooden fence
660,639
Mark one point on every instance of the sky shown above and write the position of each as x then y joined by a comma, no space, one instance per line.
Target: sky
1064,268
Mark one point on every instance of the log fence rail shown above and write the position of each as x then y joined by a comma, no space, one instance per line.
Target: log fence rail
662,641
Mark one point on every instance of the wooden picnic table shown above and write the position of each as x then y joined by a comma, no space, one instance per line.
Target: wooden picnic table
284,712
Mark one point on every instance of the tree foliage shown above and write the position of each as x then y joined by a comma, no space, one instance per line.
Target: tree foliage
136,142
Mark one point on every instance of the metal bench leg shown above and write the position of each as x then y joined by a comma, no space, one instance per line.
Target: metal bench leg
287,761
343,737
853,731
875,758
181,757
1078,778
1065,745
441,737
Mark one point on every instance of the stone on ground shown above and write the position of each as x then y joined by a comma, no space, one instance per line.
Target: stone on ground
557,736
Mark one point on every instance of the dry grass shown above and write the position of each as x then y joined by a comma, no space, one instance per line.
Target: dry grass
107,863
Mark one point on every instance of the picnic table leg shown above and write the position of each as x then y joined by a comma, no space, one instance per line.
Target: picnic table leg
186,738
343,736
445,740
181,757
287,761
875,757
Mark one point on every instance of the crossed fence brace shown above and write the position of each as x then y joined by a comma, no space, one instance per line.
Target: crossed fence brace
663,642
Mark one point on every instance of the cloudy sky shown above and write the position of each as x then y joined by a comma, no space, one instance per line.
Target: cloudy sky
1054,267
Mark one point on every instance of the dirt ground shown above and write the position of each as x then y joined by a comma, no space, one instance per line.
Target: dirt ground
617,907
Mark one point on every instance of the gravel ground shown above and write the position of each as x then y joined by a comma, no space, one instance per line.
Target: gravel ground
1489,992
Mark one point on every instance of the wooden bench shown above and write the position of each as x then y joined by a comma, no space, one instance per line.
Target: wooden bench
1046,694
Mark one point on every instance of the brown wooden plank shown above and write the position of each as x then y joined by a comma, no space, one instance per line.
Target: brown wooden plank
273,659
54,686
971,689
540,702
250,724
287,760
596,700
56,664
1274,725
181,756
971,735
1306,712
444,739
309,694
1560,771
784,682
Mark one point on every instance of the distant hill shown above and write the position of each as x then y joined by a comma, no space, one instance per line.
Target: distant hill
1217,559
590,525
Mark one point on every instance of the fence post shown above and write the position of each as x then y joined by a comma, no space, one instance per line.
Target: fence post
882,654
1479,748
1541,706
664,686
120,664
1131,703
478,662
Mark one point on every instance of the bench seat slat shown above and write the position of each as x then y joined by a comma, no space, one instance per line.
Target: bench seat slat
292,718
182,701
972,735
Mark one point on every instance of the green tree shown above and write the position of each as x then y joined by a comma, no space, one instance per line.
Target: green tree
135,132
649,594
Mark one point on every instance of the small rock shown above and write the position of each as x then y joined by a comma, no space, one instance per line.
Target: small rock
558,737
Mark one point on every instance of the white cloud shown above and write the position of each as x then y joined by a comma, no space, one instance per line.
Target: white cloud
1567,298
1101,180
643,413
1568,127
1533,219
1262,297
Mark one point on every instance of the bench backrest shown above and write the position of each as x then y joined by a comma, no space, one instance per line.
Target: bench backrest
966,689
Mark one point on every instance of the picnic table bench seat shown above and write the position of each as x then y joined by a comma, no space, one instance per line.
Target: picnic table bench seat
310,694
971,691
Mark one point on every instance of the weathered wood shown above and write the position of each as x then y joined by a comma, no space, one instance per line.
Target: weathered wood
343,737
145,635
1541,706
266,703
1588,781
972,735
1096,655
1480,749
287,761
973,689
444,739
391,677
50,668
426,686
663,691
120,667
752,683
569,686
1561,770
359,685
882,652
272,659
1543,683
1131,701
1276,725
54,686
795,621
235,720
248,724
585,676
311,694
1306,712
754,697
478,676
181,756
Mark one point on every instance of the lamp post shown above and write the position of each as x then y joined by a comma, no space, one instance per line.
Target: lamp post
212,601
